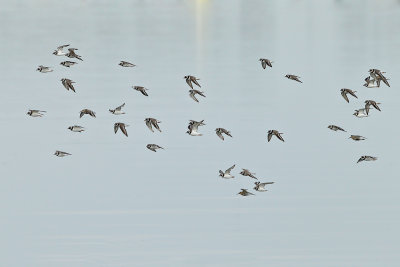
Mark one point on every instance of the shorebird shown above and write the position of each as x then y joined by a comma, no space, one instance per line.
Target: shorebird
68,84
244,193
193,127
357,137
150,122
126,64
59,51
276,133
261,186
369,103
61,153
76,128
44,69
266,62
227,174
192,94
336,128
87,111
153,147
220,131
246,172
367,158
345,91
121,126
117,110
370,83
141,89
191,79
35,113
293,77
71,54
360,113
68,63
378,76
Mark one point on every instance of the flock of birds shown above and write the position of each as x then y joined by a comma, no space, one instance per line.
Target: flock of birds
373,80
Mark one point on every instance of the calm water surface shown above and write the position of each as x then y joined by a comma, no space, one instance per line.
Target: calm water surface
114,203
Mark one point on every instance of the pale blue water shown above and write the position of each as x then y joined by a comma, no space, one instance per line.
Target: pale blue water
115,203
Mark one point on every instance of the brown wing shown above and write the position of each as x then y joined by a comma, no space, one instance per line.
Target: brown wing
269,136
279,137
367,108
252,176
143,91
155,124
189,82
219,135
352,93
194,80
375,106
123,129
116,126
149,125
383,78
71,86
344,94
200,93
263,64
227,132
193,97
297,79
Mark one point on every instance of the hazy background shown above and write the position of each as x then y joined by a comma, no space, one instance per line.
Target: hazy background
115,203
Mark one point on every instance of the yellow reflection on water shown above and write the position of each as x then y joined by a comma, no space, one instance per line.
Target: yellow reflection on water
201,8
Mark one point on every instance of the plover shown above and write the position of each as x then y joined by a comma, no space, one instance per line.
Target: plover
141,89
61,153
121,126
378,76
246,172
266,62
336,128
220,131
244,193
369,103
227,173
360,113
117,110
357,137
76,128
59,51
191,79
87,111
126,64
345,91
367,158
44,69
71,53
153,147
276,133
35,113
192,94
150,122
68,84
370,83
261,186
293,77
68,63
193,127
